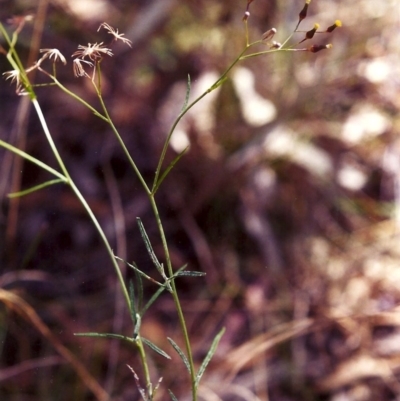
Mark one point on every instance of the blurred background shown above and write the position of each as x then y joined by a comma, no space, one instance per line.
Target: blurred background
288,199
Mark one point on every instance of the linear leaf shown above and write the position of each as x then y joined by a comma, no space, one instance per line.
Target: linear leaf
152,299
36,188
33,160
172,395
209,355
149,247
105,335
137,270
139,289
169,168
180,353
132,301
155,348
190,274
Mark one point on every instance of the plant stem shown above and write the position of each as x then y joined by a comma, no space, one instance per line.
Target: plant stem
75,189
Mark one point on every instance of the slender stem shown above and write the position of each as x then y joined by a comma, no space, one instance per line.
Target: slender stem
82,200
146,371
175,297
119,138
214,86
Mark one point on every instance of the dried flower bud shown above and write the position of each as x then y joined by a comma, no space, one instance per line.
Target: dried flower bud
317,48
337,24
276,45
303,12
267,36
247,12
246,16
310,34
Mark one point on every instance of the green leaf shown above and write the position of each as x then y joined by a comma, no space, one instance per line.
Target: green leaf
105,335
140,289
188,86
137,270
209,355
152,299
190,274
33,160
132,301
169,168
172,395
180,353
36,188
155,348
149,247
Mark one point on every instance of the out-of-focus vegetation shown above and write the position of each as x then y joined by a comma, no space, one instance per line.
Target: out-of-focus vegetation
288,199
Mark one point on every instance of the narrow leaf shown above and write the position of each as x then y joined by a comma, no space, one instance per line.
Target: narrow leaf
190,274
105,335
172,395
155,348
140,289
132,301
152,299
188,86
209,355
137,270
36,188
32,160
149,247
180,353
169,168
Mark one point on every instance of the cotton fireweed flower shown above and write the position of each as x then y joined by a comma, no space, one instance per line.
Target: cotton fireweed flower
79,71
115,33
54,54
14,76
93,51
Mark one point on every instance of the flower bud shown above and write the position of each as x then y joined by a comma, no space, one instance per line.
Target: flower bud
267,36
317,48
337,24
276,45
303,12
246,16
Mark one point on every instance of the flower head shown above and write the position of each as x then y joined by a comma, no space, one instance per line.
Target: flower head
53,53
115,33
93,51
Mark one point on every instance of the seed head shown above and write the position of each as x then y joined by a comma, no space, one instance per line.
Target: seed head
93,51
115,33
53,53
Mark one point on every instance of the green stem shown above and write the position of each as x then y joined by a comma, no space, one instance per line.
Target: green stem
82,200
175,297
119,138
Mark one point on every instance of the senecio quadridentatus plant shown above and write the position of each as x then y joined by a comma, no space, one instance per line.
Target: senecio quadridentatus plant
87,64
